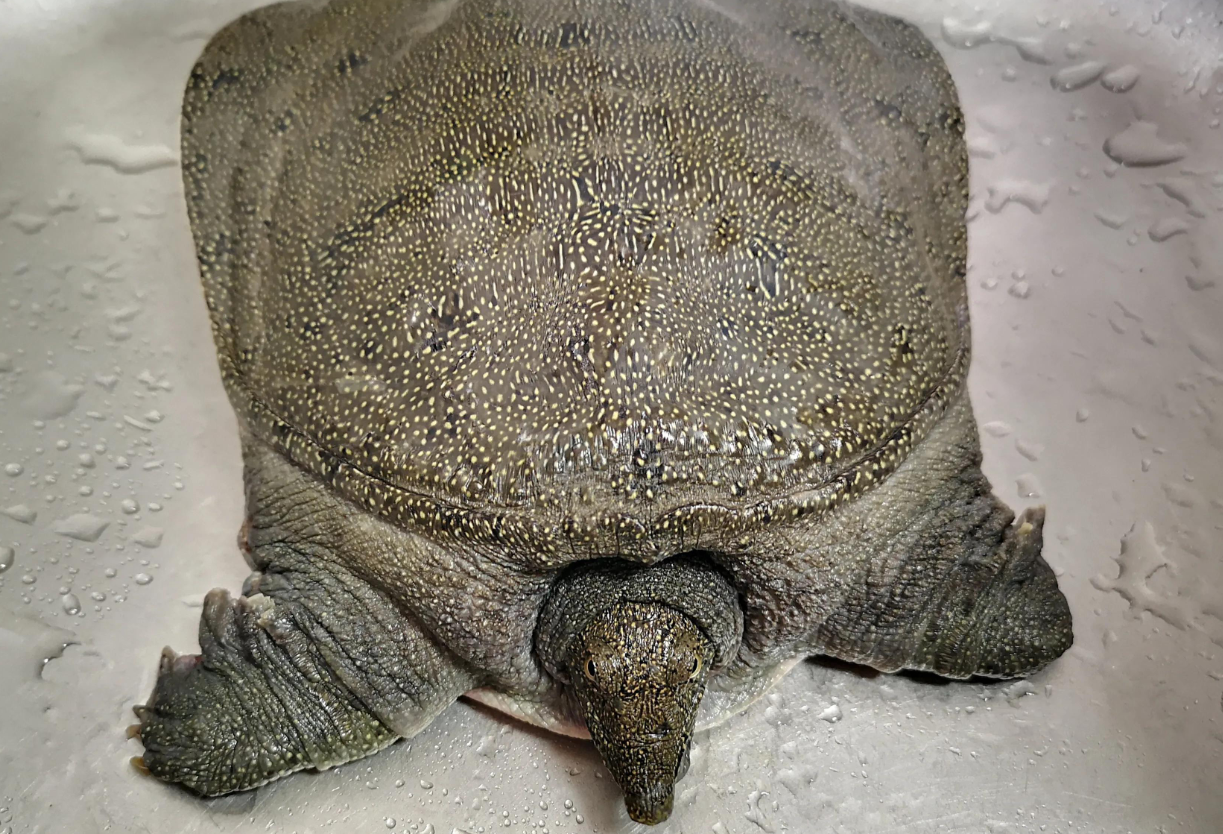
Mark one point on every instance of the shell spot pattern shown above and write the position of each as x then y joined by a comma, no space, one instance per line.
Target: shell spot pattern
576,280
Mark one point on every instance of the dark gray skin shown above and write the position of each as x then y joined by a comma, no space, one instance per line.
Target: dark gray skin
639,686
636,647
596,361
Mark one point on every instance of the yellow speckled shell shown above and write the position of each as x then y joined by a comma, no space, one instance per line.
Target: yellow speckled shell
582,277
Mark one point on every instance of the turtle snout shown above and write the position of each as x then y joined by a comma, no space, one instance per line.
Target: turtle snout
651,806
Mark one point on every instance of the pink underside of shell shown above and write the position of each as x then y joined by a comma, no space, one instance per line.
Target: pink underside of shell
514,708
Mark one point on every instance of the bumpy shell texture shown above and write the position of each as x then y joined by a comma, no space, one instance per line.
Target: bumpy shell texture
582,279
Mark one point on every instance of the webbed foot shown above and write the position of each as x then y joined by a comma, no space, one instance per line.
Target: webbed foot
255,705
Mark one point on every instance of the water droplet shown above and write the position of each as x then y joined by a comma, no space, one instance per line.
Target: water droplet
142,579
1028,486
1206,349
1033,196
1020,289
426,785
831,714
13,469
1186,192
1111,220
1032,50
98,596
53,396
65,200
149,537
110,150
1120,80
1181,496
110,573
390,822
1082,414
1167,227
71,604
1139,145
1031,451
1077,76
7,557
1018,689
82,527
1197,283
1206,254
28,579
123,314
964,36
129,506
139,424
982,147
1140,559
21,513
996,428
31,224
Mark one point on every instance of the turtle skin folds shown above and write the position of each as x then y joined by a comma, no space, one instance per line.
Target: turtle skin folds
557,329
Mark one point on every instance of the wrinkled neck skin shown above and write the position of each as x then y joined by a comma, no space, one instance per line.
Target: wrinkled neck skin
635,646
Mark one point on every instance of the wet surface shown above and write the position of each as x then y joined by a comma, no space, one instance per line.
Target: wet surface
1096,258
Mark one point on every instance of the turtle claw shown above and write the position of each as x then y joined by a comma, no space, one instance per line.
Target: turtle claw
168,656
138,763
172,662
133,730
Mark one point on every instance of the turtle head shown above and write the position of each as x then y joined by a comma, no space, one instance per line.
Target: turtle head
639,672
633,646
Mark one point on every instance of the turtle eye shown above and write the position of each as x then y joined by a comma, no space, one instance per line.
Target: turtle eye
694,668
590,668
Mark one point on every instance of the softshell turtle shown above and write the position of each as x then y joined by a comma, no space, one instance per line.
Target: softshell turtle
597,360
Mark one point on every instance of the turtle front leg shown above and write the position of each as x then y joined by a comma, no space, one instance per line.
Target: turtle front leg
257,703
303,672
312,667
